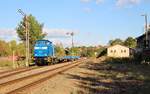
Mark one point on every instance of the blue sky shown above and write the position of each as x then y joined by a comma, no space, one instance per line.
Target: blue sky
94,22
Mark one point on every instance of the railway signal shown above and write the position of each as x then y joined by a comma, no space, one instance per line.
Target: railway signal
27,36
72,35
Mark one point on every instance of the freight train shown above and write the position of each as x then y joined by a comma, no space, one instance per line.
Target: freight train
44,54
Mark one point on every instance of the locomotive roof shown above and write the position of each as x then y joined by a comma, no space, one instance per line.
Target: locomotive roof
44,40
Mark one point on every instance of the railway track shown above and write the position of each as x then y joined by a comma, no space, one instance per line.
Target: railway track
10,70
15,71
19,83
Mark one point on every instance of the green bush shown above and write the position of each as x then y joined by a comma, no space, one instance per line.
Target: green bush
102,52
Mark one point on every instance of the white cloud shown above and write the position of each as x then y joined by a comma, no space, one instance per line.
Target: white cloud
58,33
59,36
85,1
99,1
122,3
87,10
8,34
90,9
89,1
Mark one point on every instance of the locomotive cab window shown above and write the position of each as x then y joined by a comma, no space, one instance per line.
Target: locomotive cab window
47,43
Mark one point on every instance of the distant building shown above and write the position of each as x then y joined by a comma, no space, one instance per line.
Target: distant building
118,51
141,41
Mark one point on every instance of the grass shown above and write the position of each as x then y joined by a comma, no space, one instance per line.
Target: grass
111,77
136,76
7,63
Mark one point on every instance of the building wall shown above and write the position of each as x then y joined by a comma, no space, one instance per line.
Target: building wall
141,43
118,51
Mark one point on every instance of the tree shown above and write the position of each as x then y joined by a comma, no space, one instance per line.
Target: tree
74,51
101,52
88,51
12,46
4,50
20,51
59,50
130,42
34,28
116,41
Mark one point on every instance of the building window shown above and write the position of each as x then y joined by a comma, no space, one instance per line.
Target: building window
121,51
124,51
111,51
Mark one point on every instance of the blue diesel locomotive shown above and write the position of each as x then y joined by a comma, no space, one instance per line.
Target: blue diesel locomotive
44,53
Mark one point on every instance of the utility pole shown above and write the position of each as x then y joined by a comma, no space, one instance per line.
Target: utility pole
28,41
27,36
146,30
72,35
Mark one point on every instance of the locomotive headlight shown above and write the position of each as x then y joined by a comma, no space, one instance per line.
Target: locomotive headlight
36,47
44,47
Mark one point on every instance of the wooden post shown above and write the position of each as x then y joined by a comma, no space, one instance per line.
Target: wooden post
13,59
